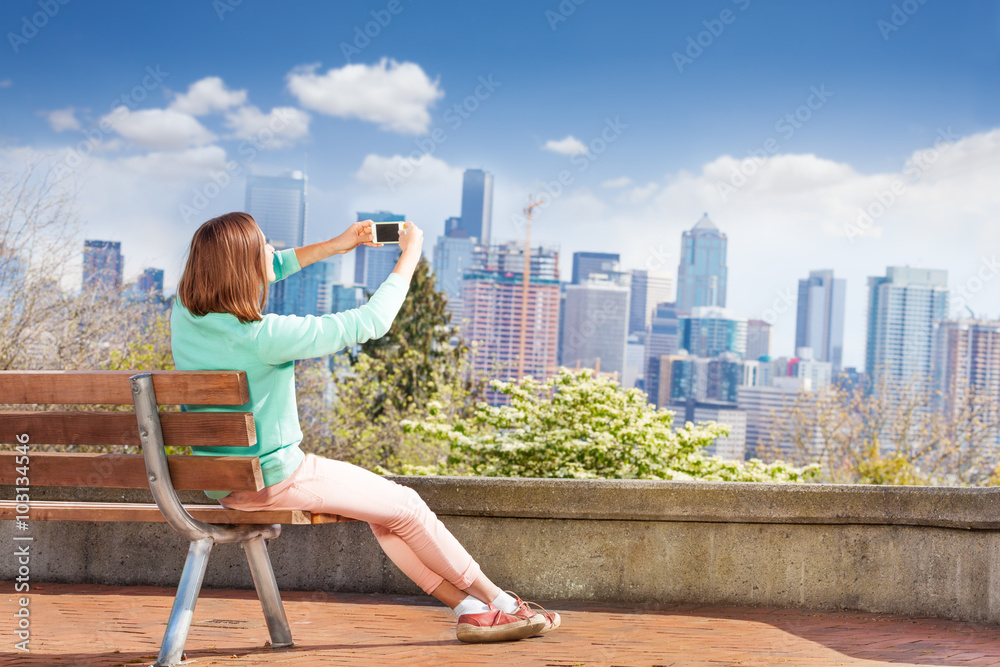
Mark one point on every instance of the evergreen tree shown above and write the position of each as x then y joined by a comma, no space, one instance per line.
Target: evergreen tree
417,353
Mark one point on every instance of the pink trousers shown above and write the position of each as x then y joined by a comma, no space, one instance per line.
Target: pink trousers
407,530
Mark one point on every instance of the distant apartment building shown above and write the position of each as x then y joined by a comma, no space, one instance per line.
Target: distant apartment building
595,326
663,339
730,447
585,263
819,323
648,289
492,296
346,297
635,357
903,307
709,331
477,205
151,282
702,274
967,364
765,407
453,254
102,265
278,204
758,339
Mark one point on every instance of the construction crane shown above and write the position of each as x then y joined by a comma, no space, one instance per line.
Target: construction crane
525,280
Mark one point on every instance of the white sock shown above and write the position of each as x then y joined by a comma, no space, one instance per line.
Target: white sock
505,602
470,605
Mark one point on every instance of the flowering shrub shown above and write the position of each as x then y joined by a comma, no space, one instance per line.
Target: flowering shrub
576,425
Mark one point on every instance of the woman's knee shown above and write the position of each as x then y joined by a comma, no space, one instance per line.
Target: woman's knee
411,506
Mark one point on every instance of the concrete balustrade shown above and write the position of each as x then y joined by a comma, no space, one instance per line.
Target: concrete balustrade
920,551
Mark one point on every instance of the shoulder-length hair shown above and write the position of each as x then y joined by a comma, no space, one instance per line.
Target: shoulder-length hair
226,269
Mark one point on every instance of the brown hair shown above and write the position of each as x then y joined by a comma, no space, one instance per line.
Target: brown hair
226,269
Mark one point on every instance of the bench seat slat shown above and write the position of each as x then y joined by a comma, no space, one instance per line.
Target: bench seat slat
49,510
128,471
112,387
180,429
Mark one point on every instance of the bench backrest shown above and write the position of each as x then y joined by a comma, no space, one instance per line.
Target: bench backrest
119,428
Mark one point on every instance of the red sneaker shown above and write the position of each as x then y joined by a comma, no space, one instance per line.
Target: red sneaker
552,620
497,626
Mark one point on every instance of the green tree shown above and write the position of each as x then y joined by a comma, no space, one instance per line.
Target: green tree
576,425
356,412
422,354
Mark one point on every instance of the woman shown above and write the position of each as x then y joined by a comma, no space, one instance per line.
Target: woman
217,324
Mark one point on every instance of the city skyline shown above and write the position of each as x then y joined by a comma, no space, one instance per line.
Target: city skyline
841,145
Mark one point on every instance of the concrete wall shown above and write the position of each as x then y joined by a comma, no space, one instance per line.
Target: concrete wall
921,551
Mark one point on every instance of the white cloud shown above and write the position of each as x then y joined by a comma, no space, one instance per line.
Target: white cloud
61,120
620,182
639,194
207,95
177,165
6,83
398,172
164,129
568,146
394,95
279,129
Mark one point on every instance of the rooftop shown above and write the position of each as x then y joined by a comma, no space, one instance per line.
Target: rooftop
112,626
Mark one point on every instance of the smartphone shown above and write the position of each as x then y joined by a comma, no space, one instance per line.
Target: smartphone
387,232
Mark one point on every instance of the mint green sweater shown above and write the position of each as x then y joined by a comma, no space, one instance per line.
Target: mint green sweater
266,350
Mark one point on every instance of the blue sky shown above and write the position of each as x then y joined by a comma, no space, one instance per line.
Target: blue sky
894,76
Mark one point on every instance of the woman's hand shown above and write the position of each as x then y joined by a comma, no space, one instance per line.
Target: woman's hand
360,233
411,238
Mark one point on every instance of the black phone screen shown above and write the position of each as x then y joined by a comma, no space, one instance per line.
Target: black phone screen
386,232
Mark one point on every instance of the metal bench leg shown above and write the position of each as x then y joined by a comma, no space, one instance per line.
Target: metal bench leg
172,649
267,591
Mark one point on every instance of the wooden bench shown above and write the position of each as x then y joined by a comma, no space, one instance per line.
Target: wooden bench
152,430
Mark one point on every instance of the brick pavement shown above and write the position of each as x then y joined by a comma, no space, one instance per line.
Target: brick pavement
112,626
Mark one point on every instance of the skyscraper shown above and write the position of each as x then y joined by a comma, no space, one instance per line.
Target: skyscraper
452,258
663,339
151,281
820,318
477,204
709,331
373,265
967,360
902,309
595,325
701,273
758,339
648,289
585,263
491,301
102,265
278,204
